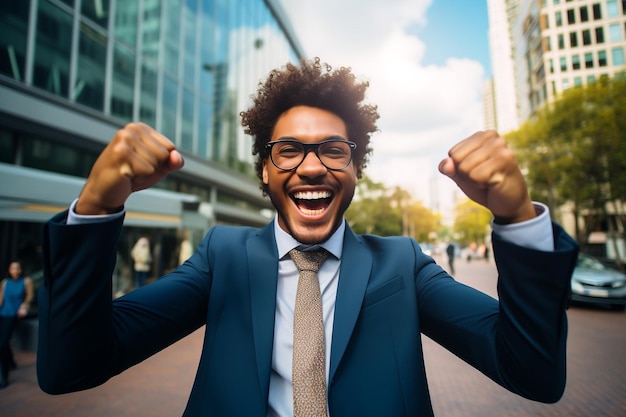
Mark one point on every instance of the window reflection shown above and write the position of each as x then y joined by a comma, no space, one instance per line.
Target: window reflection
169,104
97,11
52,49
126,19
89,87
122,93
14,24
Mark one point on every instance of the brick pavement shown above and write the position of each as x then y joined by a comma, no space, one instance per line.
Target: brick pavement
159,386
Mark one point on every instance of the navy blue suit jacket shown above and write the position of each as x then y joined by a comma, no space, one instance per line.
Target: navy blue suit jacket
389,293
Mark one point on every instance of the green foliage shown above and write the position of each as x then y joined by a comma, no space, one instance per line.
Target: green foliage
389,212
471,222
575,148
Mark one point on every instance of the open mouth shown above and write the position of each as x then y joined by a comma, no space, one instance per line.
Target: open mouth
312,203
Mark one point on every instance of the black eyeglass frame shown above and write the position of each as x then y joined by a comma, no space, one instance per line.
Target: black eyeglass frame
311,147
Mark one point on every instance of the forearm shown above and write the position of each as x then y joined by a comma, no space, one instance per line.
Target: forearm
533,291
75,305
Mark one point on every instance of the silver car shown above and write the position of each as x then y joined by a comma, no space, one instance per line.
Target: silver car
593,282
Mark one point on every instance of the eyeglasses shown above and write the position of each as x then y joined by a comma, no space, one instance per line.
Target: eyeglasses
334,153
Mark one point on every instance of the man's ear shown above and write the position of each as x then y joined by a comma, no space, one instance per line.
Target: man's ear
265,174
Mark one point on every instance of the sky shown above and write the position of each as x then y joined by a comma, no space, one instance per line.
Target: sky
426,62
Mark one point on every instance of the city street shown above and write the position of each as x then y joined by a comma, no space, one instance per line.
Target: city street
159,386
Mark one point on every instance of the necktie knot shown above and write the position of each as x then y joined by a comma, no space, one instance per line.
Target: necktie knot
308,260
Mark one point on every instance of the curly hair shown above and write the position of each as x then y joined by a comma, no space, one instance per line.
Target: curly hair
316,85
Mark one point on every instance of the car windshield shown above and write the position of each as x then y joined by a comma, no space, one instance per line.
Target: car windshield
590,263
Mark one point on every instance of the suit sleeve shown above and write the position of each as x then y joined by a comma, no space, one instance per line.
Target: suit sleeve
520,341
86,337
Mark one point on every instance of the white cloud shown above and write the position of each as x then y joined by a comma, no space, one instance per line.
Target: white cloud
424,109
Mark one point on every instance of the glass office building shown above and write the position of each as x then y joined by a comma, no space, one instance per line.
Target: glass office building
72,72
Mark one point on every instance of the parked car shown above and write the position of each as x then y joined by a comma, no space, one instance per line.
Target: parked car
595,283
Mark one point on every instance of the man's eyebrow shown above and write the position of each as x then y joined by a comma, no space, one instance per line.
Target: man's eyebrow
331,137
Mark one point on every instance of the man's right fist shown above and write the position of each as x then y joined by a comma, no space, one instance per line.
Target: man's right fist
136,158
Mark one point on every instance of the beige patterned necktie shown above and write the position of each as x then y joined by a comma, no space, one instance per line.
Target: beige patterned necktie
309,375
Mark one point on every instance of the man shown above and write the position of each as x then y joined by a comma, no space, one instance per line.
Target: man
311,136
450,250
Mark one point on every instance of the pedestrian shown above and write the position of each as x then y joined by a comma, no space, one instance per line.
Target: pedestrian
16,294
450,250
142,258
304,317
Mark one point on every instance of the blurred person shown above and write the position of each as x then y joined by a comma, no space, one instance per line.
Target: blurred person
186,249
16,294
451,252
142,259
311,131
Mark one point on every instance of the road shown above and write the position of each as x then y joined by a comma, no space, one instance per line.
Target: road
158,387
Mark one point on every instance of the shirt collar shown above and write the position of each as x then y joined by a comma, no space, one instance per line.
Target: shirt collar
285,242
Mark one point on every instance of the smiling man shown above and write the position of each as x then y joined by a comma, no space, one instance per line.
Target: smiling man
353,346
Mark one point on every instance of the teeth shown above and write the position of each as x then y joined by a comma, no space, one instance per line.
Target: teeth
312,212
312,195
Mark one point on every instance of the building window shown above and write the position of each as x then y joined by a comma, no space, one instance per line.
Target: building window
547,45
573,39
561,41
89,86
576,62
615,32
597,12
612,9
563,63
551,66
53,44
7,146
618,56
586,37
588,60
578,81
591,79
14,23
559,19
571,17
602,58
584,14
565,83
600,35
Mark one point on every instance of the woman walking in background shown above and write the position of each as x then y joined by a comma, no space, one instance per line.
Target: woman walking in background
142,259
16,293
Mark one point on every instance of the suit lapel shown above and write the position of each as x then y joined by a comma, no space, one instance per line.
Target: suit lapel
356,265
263,275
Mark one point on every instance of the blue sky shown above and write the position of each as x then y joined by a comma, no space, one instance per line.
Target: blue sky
455,28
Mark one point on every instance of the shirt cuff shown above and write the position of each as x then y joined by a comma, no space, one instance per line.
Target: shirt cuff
534,234
75,218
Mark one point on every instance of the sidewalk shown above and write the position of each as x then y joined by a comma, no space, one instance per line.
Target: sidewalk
156,387
160,386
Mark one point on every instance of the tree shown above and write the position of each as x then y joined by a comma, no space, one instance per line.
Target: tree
575,152
471,221
389,212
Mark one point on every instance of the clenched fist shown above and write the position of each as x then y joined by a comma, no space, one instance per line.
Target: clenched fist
486,170
136,158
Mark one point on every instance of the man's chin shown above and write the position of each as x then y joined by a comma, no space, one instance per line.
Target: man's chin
311,234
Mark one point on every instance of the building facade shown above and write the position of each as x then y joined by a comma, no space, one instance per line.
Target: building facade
565,43
503,114
72,72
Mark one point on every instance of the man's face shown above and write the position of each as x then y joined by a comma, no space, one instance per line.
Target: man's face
311,199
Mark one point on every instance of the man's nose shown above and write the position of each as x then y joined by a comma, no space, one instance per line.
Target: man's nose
311,165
